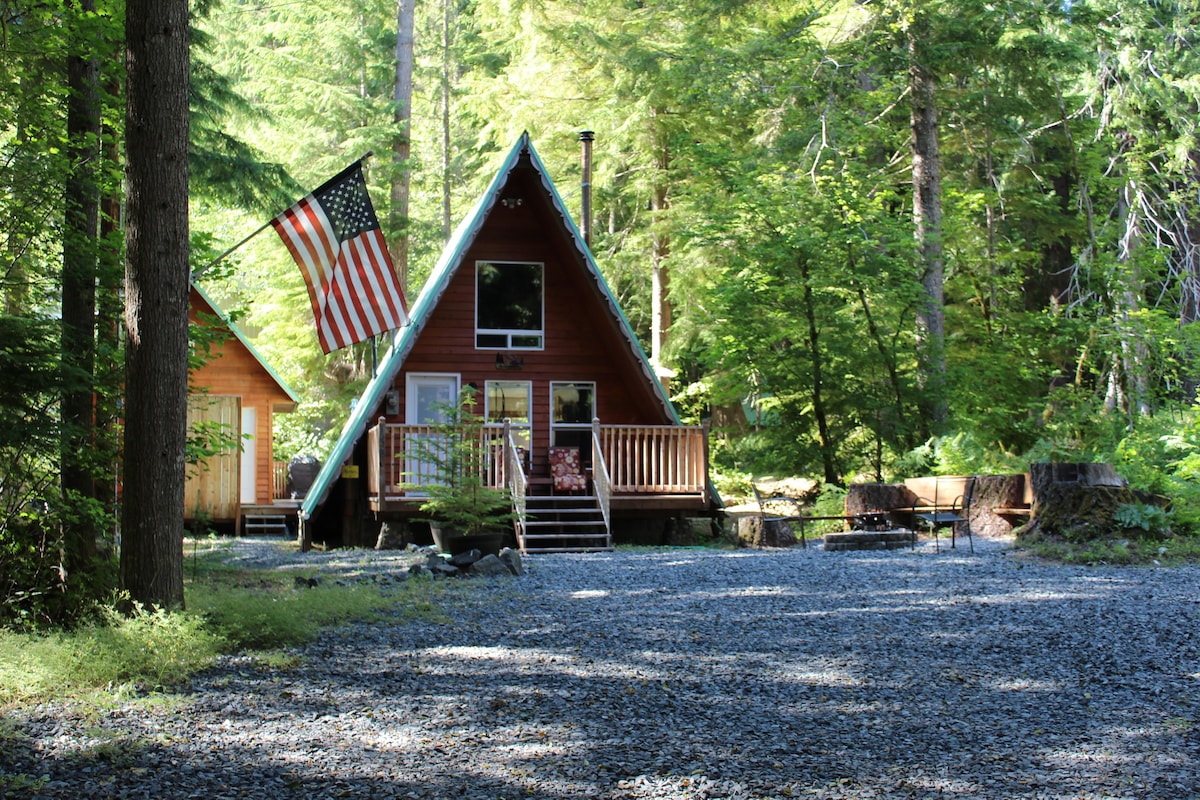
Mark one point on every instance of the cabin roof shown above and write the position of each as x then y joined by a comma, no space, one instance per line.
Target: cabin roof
443,271
216,311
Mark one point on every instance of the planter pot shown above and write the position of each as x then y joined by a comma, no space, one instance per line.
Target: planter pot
450,540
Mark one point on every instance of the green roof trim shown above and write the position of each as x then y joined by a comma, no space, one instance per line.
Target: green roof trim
241,337
445,268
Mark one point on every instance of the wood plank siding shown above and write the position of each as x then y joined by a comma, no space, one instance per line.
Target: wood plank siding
581,343
232,370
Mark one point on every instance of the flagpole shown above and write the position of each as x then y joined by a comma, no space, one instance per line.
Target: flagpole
260,229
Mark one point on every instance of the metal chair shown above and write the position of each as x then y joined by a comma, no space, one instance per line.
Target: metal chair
936,514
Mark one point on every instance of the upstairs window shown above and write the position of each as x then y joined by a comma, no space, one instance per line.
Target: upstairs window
509,306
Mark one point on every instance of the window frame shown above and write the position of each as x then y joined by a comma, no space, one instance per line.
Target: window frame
578,427
510,335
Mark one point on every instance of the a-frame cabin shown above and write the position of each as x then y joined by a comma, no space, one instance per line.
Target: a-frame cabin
243,487
517,309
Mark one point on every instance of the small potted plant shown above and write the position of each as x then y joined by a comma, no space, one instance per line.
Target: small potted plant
463,510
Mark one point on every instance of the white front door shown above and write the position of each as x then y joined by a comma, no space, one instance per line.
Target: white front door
426,397
249,487
425,393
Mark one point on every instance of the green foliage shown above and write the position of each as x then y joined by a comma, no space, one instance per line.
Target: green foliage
277,613
830,502
144,648
454,459
35,516
1119,550
229,609
1149,519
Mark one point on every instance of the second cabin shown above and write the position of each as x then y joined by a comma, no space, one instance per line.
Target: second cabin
517,309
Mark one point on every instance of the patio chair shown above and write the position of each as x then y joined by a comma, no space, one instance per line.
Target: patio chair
566,470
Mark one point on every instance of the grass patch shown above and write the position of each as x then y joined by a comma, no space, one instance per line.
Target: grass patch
229,608
111,653
1116,551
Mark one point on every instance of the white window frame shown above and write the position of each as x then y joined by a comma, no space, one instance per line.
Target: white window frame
510,334
555,425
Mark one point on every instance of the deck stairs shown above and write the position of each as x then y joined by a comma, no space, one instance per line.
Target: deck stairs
564,524
265,525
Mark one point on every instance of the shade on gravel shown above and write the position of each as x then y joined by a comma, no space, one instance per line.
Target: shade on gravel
691,674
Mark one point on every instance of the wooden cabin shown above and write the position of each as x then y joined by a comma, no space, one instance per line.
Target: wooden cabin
241,488
517,309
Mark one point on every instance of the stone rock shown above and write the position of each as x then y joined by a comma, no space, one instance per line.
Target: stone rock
490,566
512,560
440,566
391,536
466,558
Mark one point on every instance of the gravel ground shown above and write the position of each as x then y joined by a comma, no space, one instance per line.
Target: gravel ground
686,674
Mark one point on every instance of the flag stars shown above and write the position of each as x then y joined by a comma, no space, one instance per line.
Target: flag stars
349,208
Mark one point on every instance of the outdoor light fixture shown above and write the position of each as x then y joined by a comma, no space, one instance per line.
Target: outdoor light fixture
512,202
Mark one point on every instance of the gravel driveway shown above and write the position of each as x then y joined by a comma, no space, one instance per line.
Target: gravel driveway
692,674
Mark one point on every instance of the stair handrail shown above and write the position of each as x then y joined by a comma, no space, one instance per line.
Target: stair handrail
515,481
600,479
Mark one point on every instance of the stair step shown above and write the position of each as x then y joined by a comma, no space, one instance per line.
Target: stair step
568,549
544,536
566,523
562,500
593,514
266,523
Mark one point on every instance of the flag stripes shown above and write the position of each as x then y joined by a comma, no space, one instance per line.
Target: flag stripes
334,237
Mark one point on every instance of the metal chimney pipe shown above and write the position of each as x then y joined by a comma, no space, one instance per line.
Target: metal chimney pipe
585,212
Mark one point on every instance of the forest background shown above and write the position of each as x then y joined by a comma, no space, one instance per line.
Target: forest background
866,239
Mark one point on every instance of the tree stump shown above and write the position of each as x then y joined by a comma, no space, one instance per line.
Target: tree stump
1077,501
863,498
754,531
992,492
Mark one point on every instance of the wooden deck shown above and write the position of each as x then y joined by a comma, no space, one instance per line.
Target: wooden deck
634,469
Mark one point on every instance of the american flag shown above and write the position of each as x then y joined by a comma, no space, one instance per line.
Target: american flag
334,236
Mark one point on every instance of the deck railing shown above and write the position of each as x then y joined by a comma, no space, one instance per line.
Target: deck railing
279,477
396,468
658,459
514,473
600,478
638,459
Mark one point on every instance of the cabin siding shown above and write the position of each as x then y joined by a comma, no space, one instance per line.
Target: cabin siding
580,343
232,370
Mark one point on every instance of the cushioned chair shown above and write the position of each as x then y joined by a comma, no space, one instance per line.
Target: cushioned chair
566,470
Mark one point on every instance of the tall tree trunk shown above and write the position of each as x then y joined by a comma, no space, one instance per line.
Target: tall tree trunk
156,296
448,10
81,230
828,452
402,139
660,304
1134,360
109,368
1188,223
927,216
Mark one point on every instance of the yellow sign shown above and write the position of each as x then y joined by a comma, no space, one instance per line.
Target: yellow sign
350,471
